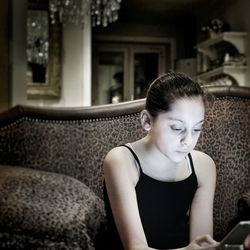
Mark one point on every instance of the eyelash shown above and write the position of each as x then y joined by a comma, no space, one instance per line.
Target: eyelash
181,130
176,129
197,130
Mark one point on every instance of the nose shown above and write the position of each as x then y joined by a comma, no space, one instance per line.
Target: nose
187,139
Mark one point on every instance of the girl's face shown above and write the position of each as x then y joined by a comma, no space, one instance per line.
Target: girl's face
175,133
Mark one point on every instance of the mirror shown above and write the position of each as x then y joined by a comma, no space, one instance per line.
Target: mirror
43,51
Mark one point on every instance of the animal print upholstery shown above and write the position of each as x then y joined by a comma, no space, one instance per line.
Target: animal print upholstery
225,138
47,210
74,148
77,148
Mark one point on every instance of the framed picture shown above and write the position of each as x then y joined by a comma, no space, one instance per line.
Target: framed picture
43,51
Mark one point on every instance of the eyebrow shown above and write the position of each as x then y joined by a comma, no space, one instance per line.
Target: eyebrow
179,120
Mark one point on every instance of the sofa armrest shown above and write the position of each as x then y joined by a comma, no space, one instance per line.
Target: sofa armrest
244,206
243,213
48,207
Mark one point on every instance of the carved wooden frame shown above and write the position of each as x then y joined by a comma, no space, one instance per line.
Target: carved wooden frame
51,89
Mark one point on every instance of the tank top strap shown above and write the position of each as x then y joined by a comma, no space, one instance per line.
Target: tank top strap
135,156
191,162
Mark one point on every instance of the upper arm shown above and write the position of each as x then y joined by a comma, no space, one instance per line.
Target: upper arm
202,206
120,178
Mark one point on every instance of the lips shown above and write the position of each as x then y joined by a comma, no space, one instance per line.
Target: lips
182,152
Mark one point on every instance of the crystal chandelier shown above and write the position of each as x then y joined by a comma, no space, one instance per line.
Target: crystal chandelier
75,11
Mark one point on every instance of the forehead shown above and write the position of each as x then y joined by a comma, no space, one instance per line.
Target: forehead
187,110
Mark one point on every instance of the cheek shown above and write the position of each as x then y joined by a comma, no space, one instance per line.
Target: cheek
195,139
170,139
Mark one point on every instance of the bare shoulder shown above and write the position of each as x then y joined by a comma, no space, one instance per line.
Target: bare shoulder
114,155
204,164
119,162
203,159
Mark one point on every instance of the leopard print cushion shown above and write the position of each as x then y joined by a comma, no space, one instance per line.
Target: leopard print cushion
39,209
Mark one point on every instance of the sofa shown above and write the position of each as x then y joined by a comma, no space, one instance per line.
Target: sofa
51,175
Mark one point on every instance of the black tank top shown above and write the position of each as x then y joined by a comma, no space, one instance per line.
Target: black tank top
163,207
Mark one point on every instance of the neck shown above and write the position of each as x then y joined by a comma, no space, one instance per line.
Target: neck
153,162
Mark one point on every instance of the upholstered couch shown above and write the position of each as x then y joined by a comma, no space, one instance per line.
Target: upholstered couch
51,173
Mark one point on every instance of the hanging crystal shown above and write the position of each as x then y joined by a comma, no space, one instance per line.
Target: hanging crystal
102,12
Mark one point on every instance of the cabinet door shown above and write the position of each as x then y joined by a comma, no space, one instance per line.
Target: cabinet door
108,75
146,64
122,72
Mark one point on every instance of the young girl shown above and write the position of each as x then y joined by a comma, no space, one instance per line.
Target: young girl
158,190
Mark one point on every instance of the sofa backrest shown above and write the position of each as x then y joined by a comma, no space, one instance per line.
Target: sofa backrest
226,138
70,141
74,141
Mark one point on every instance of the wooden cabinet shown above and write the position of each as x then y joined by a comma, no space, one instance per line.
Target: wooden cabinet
222,59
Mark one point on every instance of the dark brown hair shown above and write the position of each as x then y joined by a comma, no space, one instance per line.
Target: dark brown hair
168,88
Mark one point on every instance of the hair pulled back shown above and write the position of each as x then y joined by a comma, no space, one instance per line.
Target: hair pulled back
168,88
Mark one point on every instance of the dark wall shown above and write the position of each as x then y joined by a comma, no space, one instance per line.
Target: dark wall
4,52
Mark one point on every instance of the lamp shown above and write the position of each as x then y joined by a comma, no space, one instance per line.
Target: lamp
75,11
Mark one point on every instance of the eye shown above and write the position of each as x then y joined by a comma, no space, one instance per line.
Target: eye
197,130
176,128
